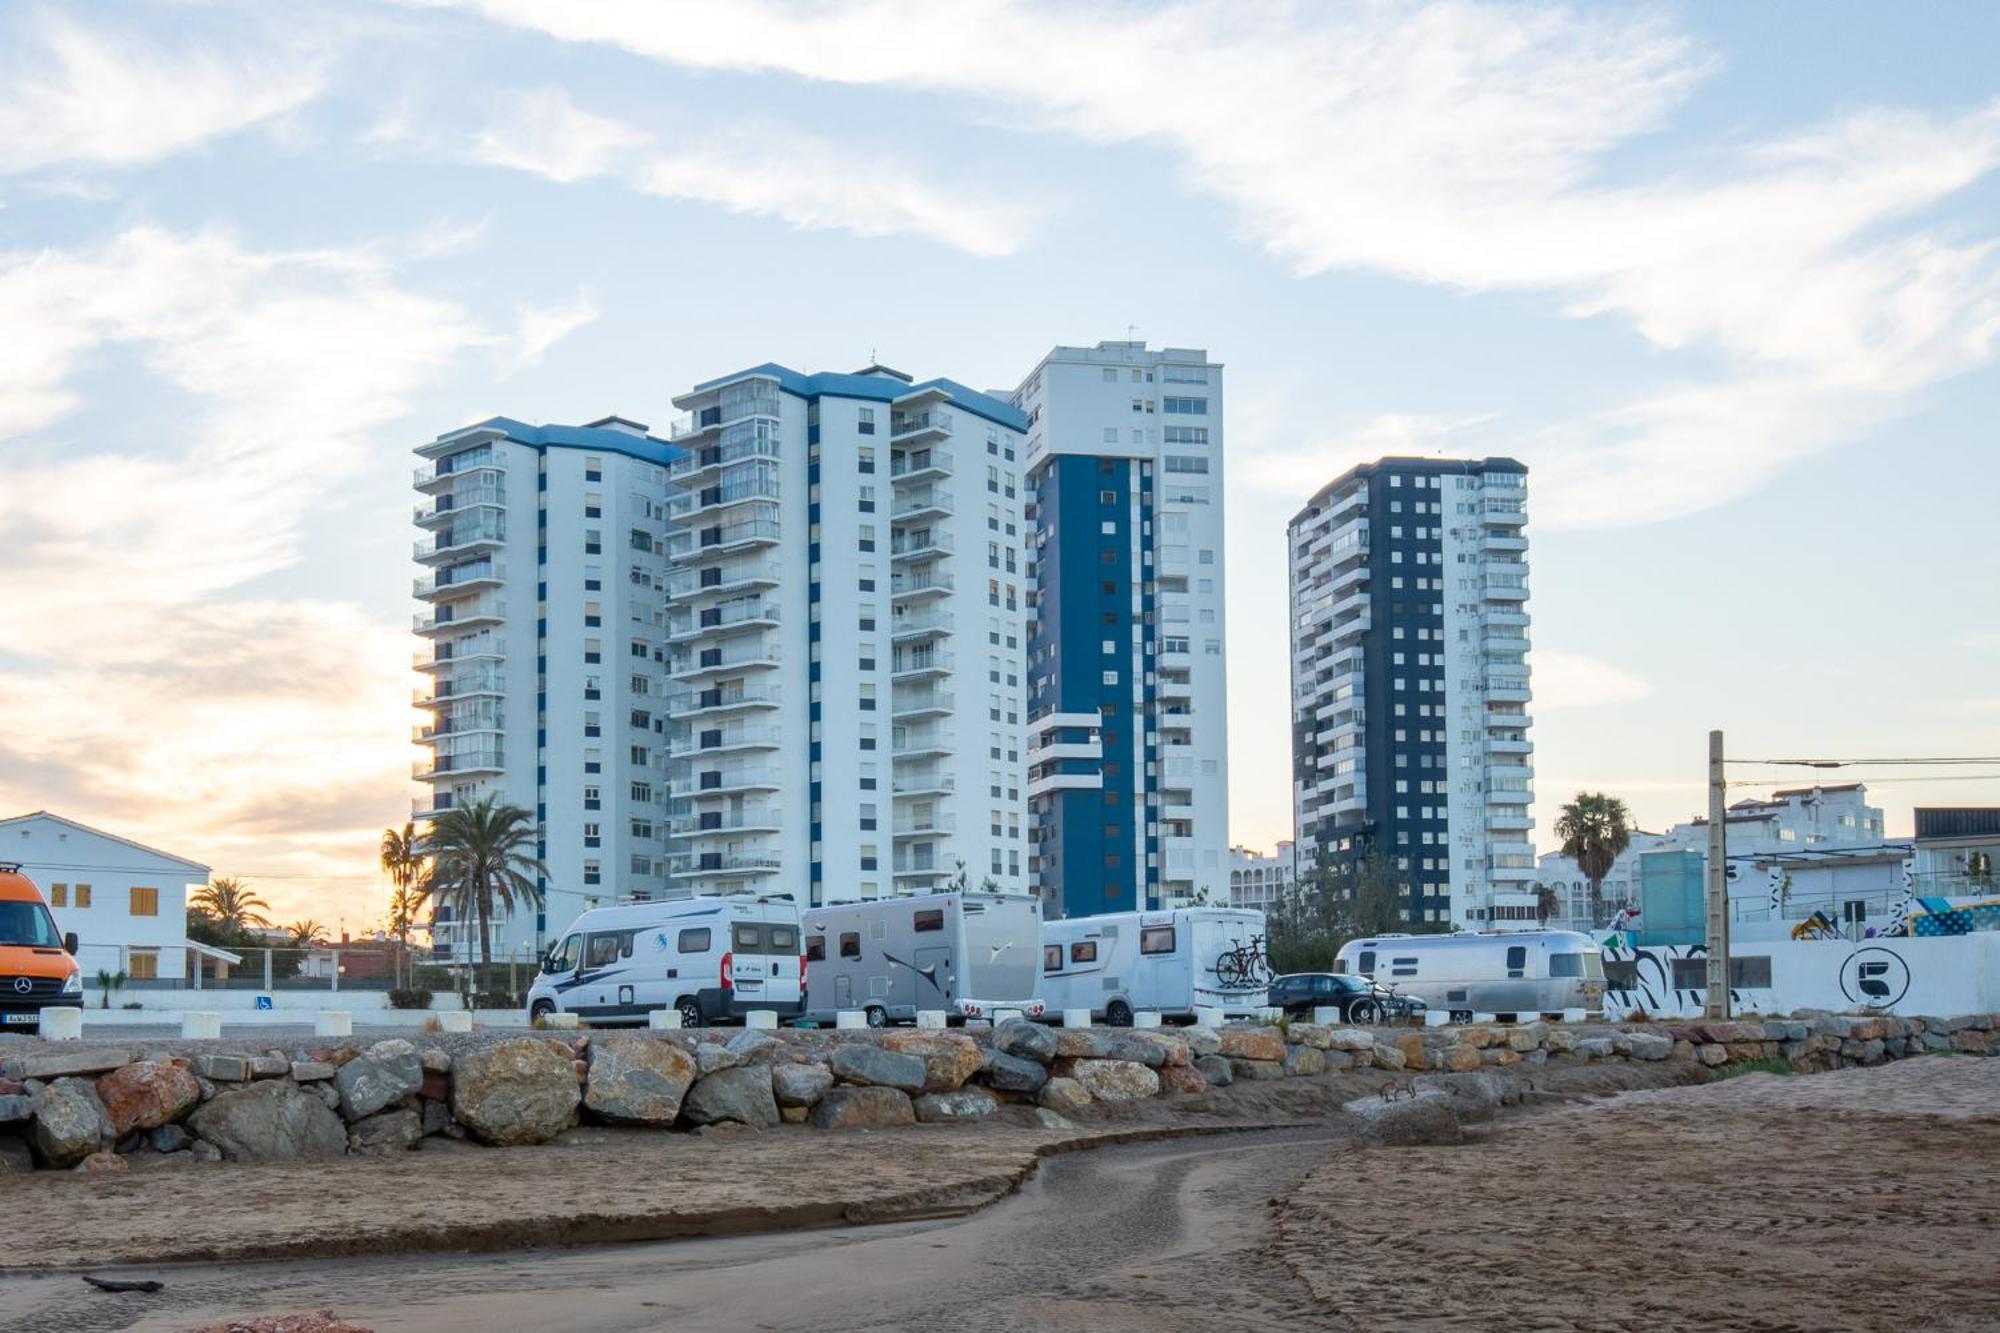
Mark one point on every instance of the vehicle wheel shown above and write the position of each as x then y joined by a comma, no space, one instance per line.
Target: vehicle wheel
1363,1011
877,1016
542,1009
1461,1015
1118,1014
689,1010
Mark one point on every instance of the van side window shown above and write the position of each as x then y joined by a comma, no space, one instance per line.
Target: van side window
1083,951
747,936
566,958
1365,964
693,941
1052,958
1517,961
1565,964
816,949
1402,967
784,940
603,950
850,944
1156,939
930,919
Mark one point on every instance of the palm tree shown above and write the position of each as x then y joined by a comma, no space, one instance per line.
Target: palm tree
231,905
1595,829
306,934
403,859
480,863
1546,904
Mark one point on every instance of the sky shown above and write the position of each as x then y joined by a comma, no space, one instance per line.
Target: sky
1723,276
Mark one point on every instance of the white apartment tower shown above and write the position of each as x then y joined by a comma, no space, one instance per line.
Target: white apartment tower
1128,711
847,640
1409,641
543,637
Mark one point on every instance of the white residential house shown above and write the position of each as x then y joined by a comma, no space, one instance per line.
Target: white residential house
125,902
1260,881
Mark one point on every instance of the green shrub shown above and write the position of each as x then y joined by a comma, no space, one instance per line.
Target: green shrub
409,999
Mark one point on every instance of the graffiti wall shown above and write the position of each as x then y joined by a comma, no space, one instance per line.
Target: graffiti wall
1922,975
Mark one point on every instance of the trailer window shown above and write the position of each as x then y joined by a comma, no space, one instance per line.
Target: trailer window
816,949
1052,958
693,941
1517,961
1566,964
850,944
784,940
747,937
1365,964
1402,967
1156,939
931,918
1083,951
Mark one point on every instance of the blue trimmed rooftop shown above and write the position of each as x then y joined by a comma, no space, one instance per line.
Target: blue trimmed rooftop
597,435
878,387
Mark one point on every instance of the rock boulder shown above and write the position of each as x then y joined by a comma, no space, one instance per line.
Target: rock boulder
385,1134
862,1108
1253,1043
379,1077
872,1066
741,1094
800,1085
949,1058
70,1122
637,1080
270,1121
520,1091
147,1095
1025,1040
958,1104
1116,1080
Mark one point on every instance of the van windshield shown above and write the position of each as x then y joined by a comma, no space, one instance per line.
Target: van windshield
29,925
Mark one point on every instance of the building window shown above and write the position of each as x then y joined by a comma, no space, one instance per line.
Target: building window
59,895
145,902
81,895
143,964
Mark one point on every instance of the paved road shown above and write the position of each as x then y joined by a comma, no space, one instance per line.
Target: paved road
1165,1238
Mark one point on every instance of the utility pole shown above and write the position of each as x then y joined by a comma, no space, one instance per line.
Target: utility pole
1718,883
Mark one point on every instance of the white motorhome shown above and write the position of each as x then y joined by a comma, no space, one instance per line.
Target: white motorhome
968,954
1516,973
1170,962
710,958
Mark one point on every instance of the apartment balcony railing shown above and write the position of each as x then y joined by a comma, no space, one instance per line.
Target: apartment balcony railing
692,741
687,703
686,503
459,686
916,464
691,583
746,653
934,583
929,783
910,666
910,425
480,527
454,579
452,466
759,442
450,505
927,502
719,540
724,823
458,765
693,780
717,863
921,625
926,826
922,546
721,619
932,704
459,615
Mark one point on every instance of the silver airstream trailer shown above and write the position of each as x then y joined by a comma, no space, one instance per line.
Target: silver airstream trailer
1522,973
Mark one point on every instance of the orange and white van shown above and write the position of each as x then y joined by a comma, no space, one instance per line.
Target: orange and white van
37,965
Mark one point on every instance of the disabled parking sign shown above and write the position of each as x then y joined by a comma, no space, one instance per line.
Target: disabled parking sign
264,1002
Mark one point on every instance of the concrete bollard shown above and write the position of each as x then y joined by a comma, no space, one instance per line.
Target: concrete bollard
761,1018
1146,1018
1327,1014
1436,1018
561,1020
1484,1018
1005,1016
1207,1015
931,1019
1270,1014
1076,1018
61,1024
200,1023
850,1018
454,1020
1575,1015
663,1019
333,1023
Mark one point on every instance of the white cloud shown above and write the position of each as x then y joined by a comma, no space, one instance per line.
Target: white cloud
761,171
1468,145
1565,680
84,96
538,328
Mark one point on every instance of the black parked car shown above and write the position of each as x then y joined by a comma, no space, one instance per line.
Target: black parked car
1358,999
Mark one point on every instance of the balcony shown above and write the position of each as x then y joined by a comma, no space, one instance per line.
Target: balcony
694,703
741,655
700,864
475,530
931,583
464,764
919,465
921,546
733,618
722,740
931,825
1508,821
756,438
694,782
920,626
1508,689
685,505
920,665
929,783
1503,513
457,580
479,719
462,685
1501,745
932,423
722,539
453,466
459,615
908,708
1506,587
444,508
724,823
688,584
921,502
927,745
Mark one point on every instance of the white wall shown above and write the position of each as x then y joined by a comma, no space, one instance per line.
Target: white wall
1940,975
53,851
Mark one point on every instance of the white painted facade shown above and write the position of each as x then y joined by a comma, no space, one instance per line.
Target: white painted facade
1258,880
542,642
1943,976
847,637
125,901
1162,410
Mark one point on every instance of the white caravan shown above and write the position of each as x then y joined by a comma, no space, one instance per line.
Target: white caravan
967,954
710,958
1170,962
1526,972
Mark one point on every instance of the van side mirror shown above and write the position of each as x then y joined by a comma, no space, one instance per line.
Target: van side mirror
69,942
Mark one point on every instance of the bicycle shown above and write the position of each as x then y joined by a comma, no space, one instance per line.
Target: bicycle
1243,967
